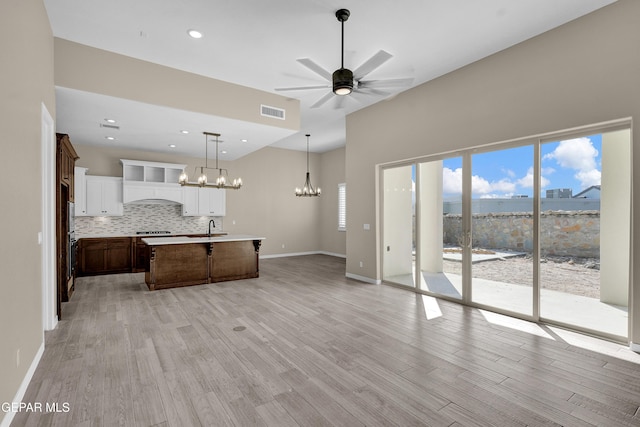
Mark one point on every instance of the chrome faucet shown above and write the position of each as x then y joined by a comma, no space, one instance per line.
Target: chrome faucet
211,222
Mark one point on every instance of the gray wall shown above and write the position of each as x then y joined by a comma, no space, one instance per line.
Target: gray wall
26,83
579,74
266,204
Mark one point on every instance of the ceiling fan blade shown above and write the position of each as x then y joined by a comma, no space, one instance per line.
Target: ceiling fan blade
385,83
339,102
315,68
372,91
360,96
322,100
371,64
302,88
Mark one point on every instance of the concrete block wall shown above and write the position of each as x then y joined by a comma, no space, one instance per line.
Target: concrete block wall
562,233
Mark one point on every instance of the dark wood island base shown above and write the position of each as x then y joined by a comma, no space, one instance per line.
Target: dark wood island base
175,261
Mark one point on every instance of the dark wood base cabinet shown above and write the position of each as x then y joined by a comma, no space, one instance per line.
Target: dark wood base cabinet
108,255
234,260
176,265
114,255
140,255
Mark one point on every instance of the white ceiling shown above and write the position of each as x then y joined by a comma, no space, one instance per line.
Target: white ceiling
256,43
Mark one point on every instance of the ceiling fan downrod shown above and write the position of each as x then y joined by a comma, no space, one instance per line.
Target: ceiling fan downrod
342,78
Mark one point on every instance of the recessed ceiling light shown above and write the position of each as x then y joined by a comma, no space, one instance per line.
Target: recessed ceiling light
194,34
224,151
172,145
110,138
109,120
243,140
184,132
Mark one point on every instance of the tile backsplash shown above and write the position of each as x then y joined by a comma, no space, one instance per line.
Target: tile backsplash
144,217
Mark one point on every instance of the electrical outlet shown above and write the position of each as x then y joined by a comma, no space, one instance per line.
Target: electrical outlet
361,264
283,246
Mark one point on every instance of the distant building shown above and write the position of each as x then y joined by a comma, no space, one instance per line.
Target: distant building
559,193
592,192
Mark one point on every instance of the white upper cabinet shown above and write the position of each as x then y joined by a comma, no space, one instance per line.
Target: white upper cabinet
150,172
212,201
104,196
151,180
203,201
190,201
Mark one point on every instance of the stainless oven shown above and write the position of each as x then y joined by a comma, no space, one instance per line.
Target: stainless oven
72,249
71,217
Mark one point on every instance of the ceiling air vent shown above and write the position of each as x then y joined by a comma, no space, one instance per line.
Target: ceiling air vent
102,125
274,112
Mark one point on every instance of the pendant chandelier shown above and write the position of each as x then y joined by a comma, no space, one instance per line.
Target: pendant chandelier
222,181
307,190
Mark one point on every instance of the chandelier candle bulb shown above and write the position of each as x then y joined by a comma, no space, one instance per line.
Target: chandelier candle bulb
202,179
183,178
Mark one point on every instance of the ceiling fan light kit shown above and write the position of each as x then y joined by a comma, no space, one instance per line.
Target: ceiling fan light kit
342,78
344,81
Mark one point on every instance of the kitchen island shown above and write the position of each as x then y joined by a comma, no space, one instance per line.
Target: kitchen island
185,261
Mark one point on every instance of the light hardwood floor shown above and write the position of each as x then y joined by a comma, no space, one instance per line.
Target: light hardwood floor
316,349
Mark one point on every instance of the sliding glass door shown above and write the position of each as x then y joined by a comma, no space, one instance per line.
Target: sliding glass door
502,229
399,225
440,225
539,230
584,232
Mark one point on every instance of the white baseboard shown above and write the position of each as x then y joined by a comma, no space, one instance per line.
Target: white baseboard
301,254
8,417
333,254
634,347
363,279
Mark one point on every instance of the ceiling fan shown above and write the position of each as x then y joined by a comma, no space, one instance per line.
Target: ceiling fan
345,81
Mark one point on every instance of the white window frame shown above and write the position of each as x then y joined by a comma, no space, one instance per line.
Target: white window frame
342,206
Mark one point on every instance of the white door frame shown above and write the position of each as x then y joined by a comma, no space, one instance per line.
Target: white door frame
47,237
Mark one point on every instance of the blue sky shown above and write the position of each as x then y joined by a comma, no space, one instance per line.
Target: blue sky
574,163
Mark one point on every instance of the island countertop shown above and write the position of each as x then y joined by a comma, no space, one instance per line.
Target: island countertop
181,240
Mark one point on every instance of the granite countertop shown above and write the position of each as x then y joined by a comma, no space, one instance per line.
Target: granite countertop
181,240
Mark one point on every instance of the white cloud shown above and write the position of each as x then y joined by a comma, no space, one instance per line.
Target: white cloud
481,186
452,181
509,173
580,155
527,180
452,184
589,178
